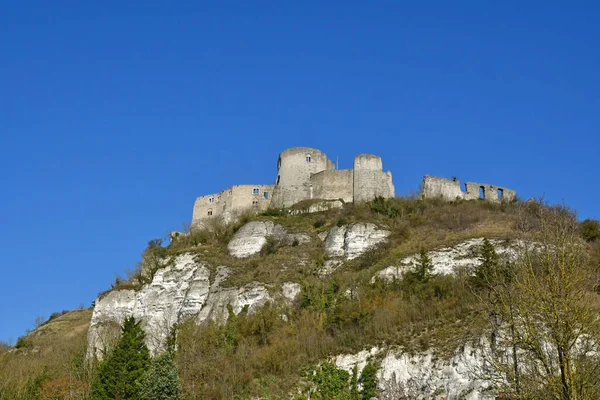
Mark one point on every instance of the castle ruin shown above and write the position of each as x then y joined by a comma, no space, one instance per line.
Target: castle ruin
450,189
302,173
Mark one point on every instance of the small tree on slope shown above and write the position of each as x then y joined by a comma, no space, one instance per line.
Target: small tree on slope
162,381
120,375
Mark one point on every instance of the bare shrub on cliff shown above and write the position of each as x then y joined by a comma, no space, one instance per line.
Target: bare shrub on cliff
546,315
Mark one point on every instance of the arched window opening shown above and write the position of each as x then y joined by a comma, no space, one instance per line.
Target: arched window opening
211,200
308,158
209,212
500,194
482,192
256,191
254,203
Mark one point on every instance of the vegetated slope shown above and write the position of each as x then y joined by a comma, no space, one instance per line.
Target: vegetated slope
342,312
268,353
53,350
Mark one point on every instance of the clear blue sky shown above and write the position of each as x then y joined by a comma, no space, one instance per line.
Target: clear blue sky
115,115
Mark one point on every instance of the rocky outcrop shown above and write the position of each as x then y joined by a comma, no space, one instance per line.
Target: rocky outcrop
250,238
350,241
449,259
183,289
424,375
290,290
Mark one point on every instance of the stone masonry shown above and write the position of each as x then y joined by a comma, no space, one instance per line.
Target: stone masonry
450,189
302,173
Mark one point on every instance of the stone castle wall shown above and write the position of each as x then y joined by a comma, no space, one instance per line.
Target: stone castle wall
333,184
450,189
369,179
302,173
294,169
233,201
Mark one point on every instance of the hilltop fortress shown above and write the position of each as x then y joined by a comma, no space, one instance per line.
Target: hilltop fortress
304,173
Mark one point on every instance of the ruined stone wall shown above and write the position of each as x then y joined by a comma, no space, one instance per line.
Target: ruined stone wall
333,184
450,189
294,169
485,191
232,202
369,179
436,187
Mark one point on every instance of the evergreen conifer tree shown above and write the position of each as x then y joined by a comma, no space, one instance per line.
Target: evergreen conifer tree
162,381
120,374
424,270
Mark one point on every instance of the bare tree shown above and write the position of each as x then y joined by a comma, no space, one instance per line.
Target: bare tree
544,316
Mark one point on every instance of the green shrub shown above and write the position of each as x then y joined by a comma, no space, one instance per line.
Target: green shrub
121,373
590,229
161,382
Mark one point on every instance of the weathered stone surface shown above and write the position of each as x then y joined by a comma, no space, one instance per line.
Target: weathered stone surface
250,238
302,174
291,290
177,292
450,189
350,241
448,260
423,375
320,206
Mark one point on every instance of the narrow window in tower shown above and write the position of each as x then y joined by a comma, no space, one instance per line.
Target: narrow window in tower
256,191
308,158
211,199
209,212
267,195
500,194
482,192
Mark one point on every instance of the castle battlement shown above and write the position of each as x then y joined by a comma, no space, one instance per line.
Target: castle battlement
302,173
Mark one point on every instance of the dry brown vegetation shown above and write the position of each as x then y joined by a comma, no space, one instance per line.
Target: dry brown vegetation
268,353
54,350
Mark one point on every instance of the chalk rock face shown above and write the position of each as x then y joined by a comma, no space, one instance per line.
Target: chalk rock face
423,375
290,290
251,238
181,290
350,241
449,259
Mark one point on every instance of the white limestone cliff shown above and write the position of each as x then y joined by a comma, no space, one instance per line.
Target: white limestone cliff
350,241
424,375
184,289
448,260
250,238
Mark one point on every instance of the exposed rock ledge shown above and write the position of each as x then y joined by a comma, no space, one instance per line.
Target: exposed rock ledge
350,241
423,375
250,238
448,259
177,292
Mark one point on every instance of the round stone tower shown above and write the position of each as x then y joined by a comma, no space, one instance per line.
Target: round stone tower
294,168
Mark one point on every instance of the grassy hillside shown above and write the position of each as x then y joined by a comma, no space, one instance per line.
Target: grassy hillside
55,349
268,354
